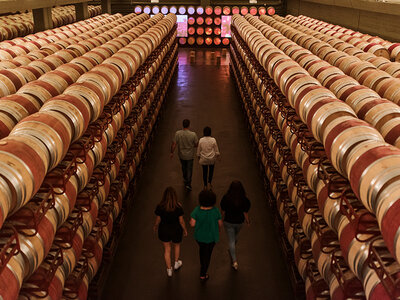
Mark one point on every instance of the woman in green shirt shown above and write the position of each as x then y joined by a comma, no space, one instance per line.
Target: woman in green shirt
206,220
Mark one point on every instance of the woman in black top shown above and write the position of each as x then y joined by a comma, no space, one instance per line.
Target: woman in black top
235,207
171,227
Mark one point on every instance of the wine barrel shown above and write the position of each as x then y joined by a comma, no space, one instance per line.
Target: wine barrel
23,169
52,128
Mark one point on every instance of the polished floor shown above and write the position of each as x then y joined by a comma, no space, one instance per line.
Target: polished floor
204,92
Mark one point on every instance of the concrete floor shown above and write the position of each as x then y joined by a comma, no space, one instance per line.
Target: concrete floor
204,93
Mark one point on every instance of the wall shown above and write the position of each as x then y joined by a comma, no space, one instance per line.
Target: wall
123,7
376,18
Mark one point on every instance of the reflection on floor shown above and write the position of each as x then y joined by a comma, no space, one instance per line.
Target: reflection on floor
204,57
202,91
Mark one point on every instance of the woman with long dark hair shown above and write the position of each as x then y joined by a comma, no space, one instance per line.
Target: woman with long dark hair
235,207
170,226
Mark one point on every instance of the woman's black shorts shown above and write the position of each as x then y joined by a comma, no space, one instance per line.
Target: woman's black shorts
168,233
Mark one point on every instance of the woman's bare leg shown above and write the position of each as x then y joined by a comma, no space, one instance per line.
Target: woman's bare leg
167,254
177,251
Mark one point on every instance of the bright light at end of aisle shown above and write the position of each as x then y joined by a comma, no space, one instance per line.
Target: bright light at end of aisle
182,23
226,26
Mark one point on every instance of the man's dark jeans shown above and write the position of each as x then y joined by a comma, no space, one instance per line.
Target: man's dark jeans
187,169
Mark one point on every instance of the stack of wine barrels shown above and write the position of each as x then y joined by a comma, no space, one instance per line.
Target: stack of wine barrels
324,117
58,62
12,26
20,25
63,15
365,42
87,116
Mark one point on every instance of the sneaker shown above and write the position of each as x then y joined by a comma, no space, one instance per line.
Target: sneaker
235,265
178,264
204,278
169,272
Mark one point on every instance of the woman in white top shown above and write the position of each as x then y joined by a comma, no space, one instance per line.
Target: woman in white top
207,152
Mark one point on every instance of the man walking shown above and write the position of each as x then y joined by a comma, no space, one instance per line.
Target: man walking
186,141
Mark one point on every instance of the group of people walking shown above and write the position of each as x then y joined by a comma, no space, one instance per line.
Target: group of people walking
207,221
206,218
207,152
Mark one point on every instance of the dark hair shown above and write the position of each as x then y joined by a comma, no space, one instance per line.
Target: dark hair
207,131
186,123
236,193
207,198
169,201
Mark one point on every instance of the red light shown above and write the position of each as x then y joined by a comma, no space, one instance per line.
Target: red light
208,10
271,10
225,41
182,41
217,21
200,40
191,21
200,30
244,11
217,31
200,20
253,10
191,30
218,10
235,10
209,20
217,41
209,30
226,11
262,11
191,40
209,41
